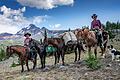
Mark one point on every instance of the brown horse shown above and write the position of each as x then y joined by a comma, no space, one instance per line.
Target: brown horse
21,52
91,40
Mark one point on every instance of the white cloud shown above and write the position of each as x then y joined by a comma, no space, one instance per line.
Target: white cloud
39,19
56,26
45,4
13,20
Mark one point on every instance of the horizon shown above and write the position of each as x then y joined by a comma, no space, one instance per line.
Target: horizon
55,14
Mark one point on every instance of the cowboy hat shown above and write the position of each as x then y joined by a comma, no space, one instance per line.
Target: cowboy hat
94,15
27,34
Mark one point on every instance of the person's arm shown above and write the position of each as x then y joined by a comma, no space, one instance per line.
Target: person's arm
99,24
91,25
25,43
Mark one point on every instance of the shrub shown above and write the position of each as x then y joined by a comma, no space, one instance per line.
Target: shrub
2,54
111,35
93,62
14,64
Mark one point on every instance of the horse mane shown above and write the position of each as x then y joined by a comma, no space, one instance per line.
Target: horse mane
36,42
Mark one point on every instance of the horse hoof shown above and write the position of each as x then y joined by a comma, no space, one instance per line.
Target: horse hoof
75,61
28,69
78,59
33,67
22,71
42,67
63,64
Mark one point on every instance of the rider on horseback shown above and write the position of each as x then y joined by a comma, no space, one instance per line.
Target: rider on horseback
95,24
97,27
30,50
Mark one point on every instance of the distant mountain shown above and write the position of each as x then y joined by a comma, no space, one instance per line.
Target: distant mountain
5,34
31,29
36,32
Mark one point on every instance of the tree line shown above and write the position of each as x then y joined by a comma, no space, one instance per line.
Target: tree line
113,28
109,26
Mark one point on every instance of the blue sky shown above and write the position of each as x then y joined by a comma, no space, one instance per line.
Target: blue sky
55,14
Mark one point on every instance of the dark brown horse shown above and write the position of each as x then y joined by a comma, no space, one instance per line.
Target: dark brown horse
57,43
21,52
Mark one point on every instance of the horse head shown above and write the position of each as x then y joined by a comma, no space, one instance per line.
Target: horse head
9,51
85,32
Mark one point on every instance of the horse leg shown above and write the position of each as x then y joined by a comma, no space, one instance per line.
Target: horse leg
27,65
95,51
75,54
62,56
79,50
55,54
44,59
22,65
58,56
104,50
35,62
41,58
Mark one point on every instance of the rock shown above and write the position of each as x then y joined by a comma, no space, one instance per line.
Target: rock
61,67
46,69
109,65
117,60
86,74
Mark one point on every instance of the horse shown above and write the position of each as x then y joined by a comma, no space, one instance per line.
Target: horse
79,47
92,40
21,51
73,43
40,48
57,43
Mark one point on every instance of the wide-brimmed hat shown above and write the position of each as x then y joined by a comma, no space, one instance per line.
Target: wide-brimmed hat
27,34
94,15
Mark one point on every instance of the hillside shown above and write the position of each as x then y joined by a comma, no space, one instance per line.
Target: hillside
110,70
